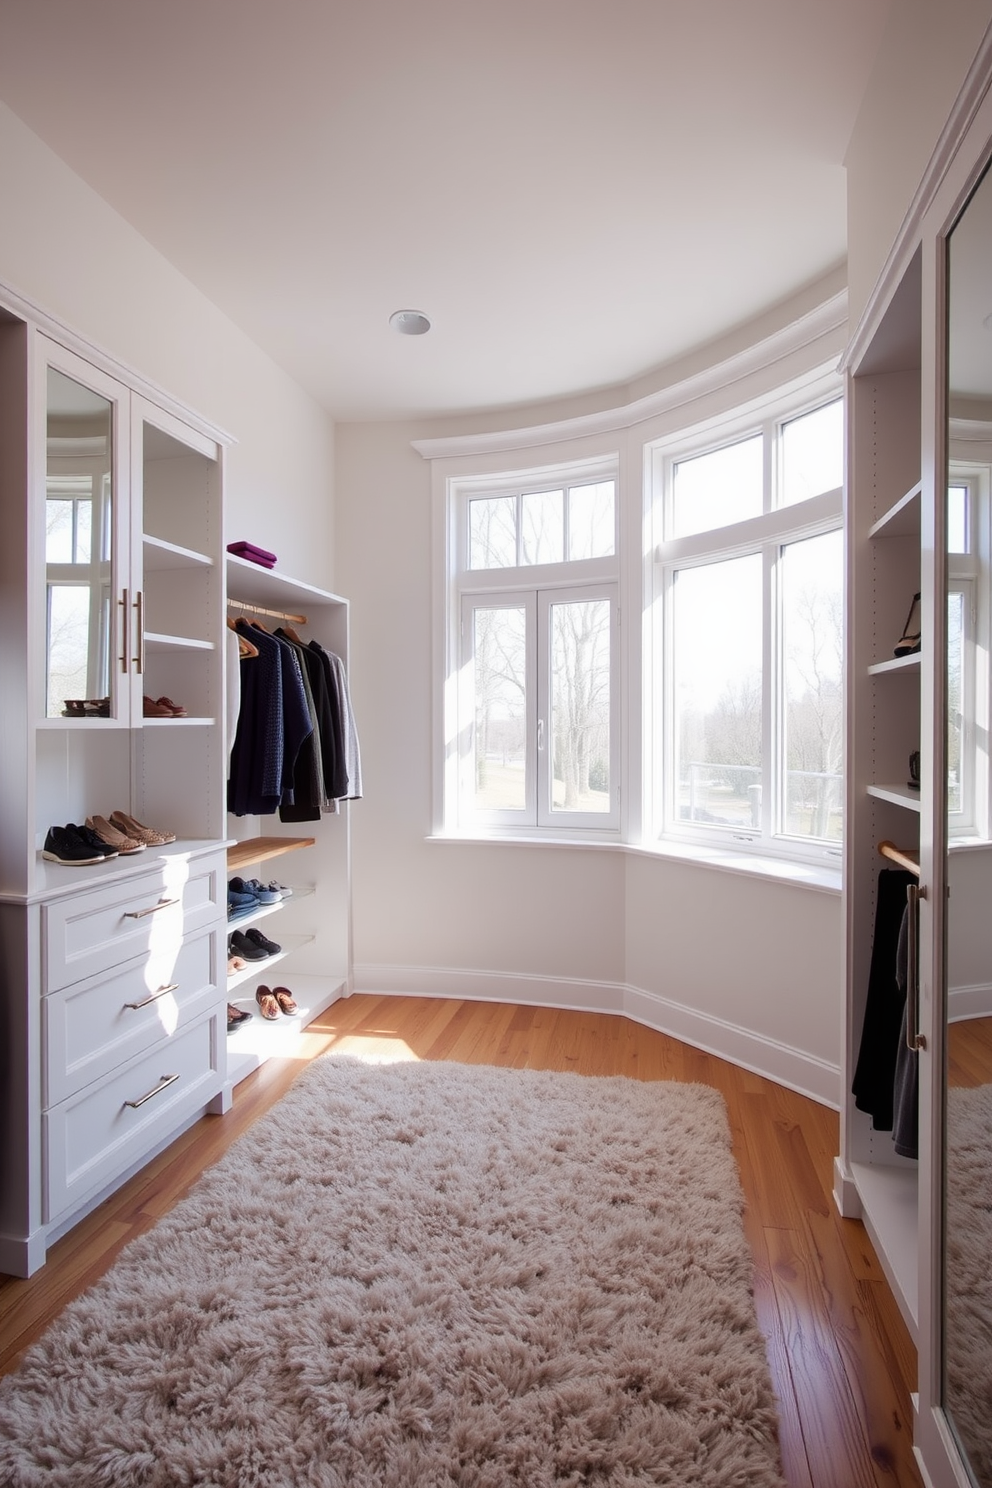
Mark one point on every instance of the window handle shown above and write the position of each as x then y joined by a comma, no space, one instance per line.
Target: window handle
540,734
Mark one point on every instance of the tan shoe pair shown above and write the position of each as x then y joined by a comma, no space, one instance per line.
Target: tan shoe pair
126,834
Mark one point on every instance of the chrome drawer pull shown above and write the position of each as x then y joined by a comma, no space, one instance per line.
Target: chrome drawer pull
172,987
139,914
163,1084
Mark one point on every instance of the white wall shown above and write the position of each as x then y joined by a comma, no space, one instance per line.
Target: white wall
922,61
739,965
66,251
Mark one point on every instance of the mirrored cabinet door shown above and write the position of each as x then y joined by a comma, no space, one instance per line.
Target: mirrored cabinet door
967,1157
89,624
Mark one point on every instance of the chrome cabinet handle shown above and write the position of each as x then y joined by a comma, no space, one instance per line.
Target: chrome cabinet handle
163,1084
139,914
914,1039
540,733
172,987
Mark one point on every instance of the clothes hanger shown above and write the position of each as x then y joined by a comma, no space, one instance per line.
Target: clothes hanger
245,647
291,635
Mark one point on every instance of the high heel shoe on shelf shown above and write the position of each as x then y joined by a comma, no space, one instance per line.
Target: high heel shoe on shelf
911,631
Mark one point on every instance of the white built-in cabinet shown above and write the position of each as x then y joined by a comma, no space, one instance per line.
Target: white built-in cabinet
113,590
912,387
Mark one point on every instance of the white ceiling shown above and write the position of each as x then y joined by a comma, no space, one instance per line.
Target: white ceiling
574,191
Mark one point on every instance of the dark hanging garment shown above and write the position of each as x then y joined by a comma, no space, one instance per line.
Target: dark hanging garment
906,1087
874,1076
273,726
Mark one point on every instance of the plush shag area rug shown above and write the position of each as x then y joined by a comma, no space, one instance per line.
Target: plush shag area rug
968,1345
419,1276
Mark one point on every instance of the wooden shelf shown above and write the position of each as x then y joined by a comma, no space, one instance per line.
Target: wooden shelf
258,849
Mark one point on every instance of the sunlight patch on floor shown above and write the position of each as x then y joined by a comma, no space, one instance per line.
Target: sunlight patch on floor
374,1048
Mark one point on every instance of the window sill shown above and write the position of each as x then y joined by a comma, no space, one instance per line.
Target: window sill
822,877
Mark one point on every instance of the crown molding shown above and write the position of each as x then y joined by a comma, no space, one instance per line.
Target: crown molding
825,322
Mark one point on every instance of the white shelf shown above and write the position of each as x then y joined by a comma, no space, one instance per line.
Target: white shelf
899,795
260,969
159,556
890,1201
249,1046
909,664
178,722
154,641
246,580
902,519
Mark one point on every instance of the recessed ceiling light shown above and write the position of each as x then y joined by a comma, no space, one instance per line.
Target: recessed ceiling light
409,322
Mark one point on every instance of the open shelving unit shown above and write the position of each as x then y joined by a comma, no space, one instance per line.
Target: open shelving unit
315,955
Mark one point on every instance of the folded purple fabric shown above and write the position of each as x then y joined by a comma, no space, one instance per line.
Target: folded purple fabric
253,553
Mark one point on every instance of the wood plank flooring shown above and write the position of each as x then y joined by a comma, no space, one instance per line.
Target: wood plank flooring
842,1361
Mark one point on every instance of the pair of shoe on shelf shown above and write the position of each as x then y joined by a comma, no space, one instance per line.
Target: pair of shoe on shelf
99,840
236,1016
250,945
86,708
162,707
275,1000
245,895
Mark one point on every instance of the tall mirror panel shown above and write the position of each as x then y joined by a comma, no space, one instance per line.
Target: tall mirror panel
79,515
968,1126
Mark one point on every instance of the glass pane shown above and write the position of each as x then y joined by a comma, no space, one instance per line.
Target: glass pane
493,532
957,519
580,705
956,700
499,644
79,506
591,523
542,519
813,645
718,692
812,454
68,644
713,490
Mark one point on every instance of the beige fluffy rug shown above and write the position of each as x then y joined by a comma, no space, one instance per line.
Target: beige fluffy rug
420,1276
969,1258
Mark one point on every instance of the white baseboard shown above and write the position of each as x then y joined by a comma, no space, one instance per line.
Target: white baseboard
787,1066
969,1002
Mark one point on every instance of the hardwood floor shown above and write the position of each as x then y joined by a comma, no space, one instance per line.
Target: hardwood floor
841,1358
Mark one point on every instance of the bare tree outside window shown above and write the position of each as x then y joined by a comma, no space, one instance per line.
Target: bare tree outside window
500,702
580,703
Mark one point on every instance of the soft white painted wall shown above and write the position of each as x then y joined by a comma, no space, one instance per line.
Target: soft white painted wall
65,250
740,965
921,64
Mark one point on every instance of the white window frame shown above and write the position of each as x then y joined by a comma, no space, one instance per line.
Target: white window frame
967,574
777,526
535,588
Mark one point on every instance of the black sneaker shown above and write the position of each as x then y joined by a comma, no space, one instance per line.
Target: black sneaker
256,937
239,945
93,840
65,845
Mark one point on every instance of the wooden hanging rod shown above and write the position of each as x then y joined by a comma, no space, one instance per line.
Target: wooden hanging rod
257,609
903,856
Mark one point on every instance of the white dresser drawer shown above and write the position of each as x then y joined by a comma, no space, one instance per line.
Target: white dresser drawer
93,1026
109,1127
91,931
